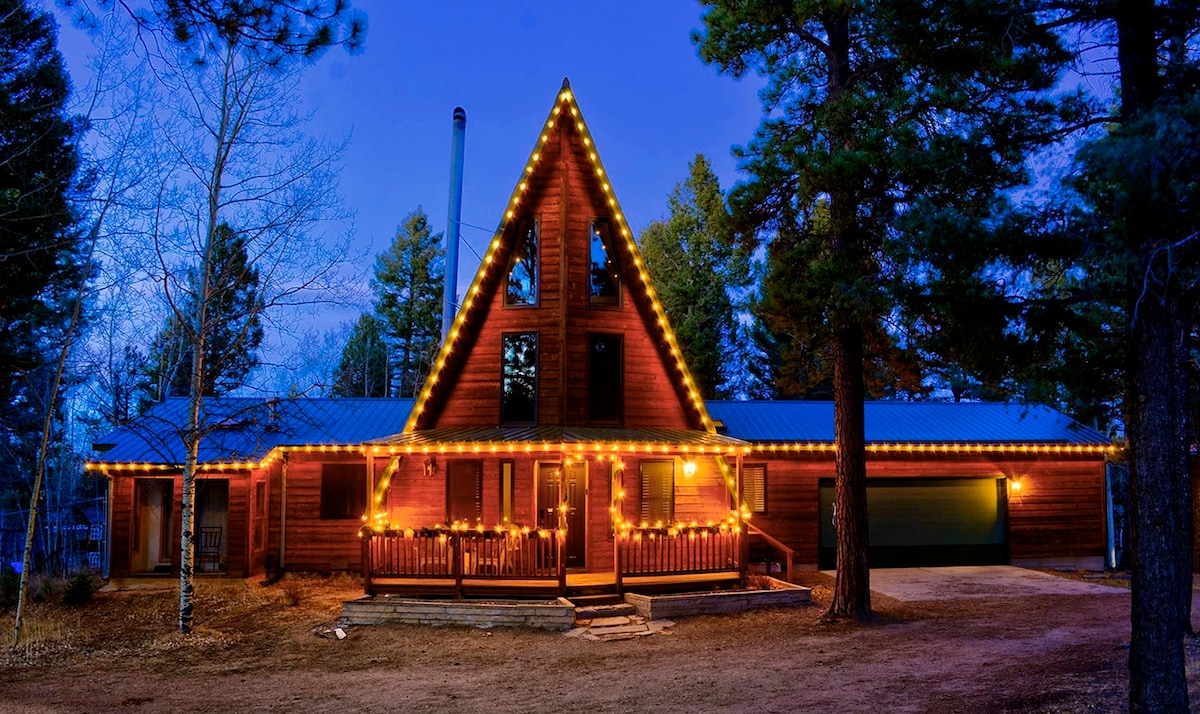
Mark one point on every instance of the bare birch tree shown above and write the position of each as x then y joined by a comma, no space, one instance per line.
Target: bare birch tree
245,161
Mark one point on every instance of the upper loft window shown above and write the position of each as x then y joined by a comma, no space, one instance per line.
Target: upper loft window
518,378
605,387
605,277
521,287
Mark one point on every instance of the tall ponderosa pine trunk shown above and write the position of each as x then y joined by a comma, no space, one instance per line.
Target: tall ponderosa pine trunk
852,589
1156,407
1159,498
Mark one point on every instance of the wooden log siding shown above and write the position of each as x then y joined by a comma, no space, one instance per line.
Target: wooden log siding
314,544
564,196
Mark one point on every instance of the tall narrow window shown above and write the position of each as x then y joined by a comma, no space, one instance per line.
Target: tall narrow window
605,388
658,492
506,491
521,287
464,491
605,277
518,378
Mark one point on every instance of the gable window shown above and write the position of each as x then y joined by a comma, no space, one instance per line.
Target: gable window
521,287
605,388
754,487
658,492
518,378
604,281
464,491
343,491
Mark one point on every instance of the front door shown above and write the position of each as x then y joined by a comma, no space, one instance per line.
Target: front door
553,491
153,532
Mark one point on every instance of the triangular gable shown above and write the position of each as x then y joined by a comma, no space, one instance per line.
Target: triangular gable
466,328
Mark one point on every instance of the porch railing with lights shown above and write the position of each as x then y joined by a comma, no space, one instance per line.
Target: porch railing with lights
679,551
458,554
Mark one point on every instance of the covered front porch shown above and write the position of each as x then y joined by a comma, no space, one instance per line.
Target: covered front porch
555,512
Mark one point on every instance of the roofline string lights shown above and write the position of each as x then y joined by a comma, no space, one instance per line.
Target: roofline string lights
480,448
564,103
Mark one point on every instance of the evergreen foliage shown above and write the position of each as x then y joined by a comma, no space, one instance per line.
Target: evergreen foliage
40,244
700,274
233,331
408,290
363,368
872,110
42,260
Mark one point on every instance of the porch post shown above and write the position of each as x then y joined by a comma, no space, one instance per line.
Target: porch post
561,558
368,566
456,558
560,535
283,469
370,487
743,534
617,563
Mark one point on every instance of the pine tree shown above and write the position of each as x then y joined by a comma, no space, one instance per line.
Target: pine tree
700,274
363,368
408,289
234,329
40,244
870,109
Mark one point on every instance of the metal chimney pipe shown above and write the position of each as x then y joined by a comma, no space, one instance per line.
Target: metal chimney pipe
457,139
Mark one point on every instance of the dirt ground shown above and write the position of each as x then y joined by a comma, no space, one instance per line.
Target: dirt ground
255,651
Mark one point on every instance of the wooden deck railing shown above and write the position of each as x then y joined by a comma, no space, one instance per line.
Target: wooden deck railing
463,553
678,551
789,555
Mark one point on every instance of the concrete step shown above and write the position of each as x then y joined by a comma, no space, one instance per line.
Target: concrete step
592,612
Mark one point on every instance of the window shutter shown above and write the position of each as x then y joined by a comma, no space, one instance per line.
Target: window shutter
464,491
754,487
658,491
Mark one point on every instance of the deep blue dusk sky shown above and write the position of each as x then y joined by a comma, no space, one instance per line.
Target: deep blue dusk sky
648,99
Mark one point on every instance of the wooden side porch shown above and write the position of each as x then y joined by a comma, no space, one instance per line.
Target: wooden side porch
471,562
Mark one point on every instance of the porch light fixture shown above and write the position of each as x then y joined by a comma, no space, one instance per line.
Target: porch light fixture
689,468
430,467
1014,485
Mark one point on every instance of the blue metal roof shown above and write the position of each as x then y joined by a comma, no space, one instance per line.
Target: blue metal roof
904,422
247,429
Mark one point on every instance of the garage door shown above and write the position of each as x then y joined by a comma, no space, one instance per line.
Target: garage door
922,522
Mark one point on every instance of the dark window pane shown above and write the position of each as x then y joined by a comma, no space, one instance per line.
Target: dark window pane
605,281
521,288
658,492
518,378
464,491
343,491
605,388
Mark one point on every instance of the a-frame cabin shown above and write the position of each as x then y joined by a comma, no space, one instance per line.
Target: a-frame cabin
559,446
560,395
